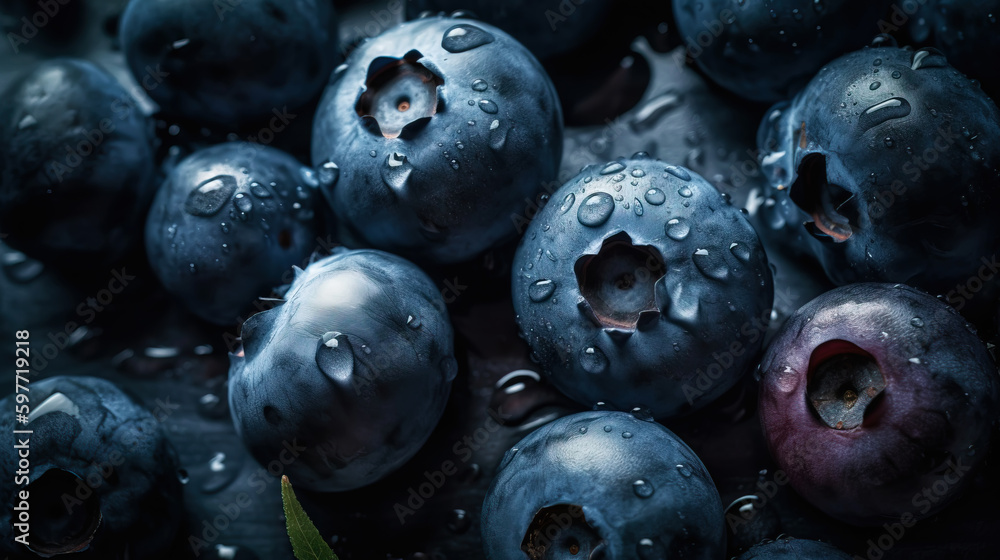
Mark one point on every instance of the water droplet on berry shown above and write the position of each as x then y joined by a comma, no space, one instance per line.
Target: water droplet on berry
596,209
678,172
541,290
593,360
677,229
655,197
642,488
209,197
465,37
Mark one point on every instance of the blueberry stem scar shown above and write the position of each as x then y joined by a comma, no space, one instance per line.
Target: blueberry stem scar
842,387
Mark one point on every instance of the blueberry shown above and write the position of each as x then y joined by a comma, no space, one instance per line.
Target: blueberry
227,226
437,142
786,548
640,285
103,477
877,400
602,485
353,371
77,161
230,63
765,51
546,28
967,31
884,169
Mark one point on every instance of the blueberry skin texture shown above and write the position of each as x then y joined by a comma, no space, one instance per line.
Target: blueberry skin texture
913,162
594,460
545,28
230,63
967,32
445,189
794,549
766,51
100,428
210,253
76,165
941,401
356,367
704,303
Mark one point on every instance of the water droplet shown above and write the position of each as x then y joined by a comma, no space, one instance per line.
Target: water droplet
677,229
209,197
583,429
896,75
917,322
488,106
567,203
458,521
612,168
413,322
480,85
309,177
27,121
642,488
593,360
638,173
888,142
20,268
465,37
740,251
328,174
928,58
498,135
684,470
541,290
637,207
655,197
685,192
596,209
678,172
627,435
608,429
914,360
877,62
711,264
649,114
260,191
647,549
875,85
892,108
397,171
243,203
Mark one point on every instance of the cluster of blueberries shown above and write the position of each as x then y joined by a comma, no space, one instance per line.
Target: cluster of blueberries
643,292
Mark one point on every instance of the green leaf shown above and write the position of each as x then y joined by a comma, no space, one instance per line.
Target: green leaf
307,544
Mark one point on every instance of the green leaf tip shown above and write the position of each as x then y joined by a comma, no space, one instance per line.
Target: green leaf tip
307,544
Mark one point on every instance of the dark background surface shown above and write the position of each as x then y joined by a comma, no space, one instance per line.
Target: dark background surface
177,366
